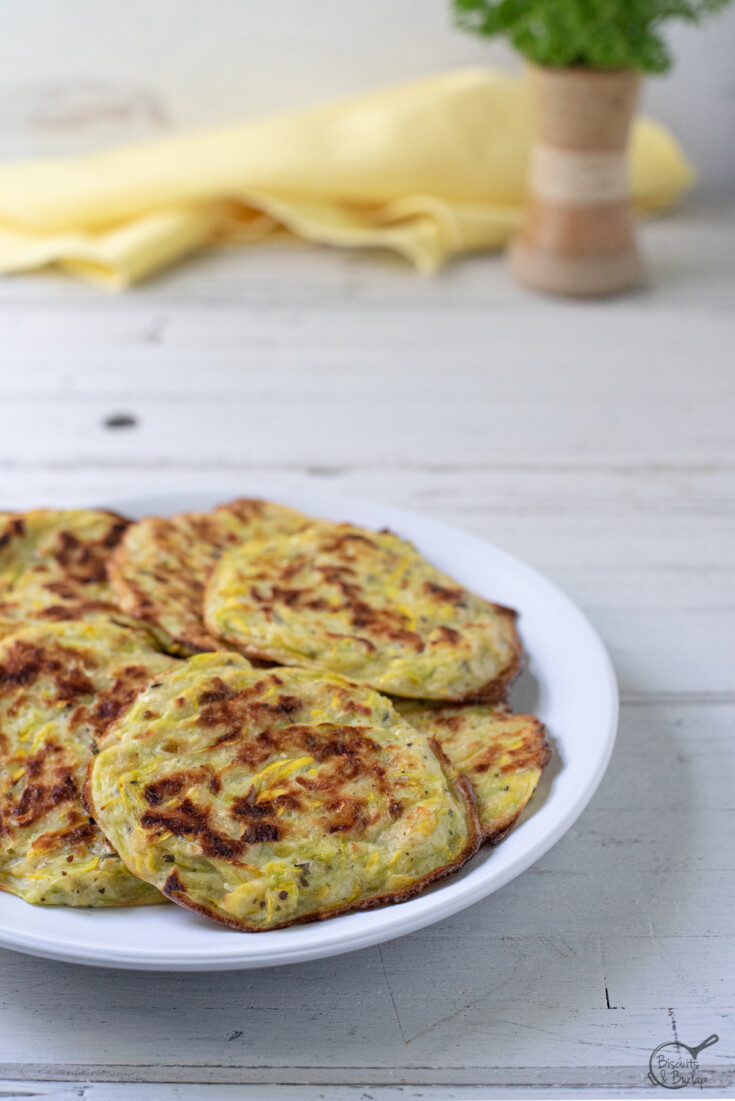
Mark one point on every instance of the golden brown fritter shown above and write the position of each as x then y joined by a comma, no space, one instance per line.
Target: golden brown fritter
501,754
366,605
53,564
267,797
159,570
61,686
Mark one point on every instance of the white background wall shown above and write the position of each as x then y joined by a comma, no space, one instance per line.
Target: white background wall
74,73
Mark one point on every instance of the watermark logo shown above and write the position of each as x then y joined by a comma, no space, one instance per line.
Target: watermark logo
674,1065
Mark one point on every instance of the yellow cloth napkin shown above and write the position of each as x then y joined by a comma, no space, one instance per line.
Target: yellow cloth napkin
427,169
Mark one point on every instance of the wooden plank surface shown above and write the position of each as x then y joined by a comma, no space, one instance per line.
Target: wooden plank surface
596,442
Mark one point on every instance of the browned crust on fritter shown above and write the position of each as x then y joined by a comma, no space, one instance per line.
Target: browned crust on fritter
86,791
173,888
461,789
43,808
136,602
119,523
496,690
50,775
385,623
80,563
538,756
535,752
459,783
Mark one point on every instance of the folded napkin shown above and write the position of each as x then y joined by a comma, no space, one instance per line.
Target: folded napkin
427,169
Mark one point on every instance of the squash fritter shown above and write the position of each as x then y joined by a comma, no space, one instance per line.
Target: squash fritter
365,605
53,564
61,686
160,567
267,797
501,754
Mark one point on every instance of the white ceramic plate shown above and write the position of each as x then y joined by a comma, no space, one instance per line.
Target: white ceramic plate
568,682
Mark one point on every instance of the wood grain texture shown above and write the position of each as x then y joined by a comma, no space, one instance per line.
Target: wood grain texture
596,442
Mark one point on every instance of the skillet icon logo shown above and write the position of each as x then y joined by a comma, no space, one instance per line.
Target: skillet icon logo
674,1065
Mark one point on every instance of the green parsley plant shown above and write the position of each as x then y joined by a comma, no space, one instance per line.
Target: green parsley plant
596,34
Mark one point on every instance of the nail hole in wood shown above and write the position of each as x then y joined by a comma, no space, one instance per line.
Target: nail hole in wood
120,420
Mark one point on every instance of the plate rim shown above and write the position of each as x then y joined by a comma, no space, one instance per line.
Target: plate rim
392,921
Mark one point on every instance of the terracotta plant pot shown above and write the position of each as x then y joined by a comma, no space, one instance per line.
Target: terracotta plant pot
578,235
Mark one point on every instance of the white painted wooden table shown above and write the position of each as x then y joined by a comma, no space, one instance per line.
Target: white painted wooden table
595,441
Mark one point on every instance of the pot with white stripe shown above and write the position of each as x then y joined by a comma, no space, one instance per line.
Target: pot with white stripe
578,234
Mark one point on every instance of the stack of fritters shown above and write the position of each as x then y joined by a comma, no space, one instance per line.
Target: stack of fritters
370,757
